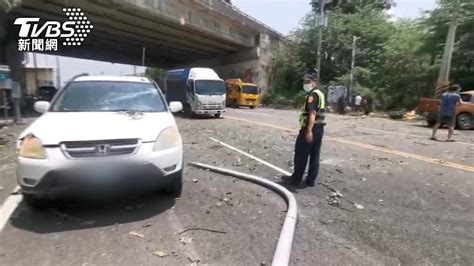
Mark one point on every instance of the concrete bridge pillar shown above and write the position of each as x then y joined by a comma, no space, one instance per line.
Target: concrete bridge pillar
255,65
10,56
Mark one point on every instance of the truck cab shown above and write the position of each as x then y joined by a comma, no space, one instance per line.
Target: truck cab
242,94
200,90
464,113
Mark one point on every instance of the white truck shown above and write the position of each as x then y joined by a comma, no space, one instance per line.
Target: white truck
200,90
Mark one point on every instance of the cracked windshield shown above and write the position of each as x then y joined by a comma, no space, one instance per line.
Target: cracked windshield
236,132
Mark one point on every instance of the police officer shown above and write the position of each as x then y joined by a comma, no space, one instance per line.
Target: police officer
308,143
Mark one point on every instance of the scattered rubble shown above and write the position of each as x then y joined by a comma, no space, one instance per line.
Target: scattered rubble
136,234
185,240
160,254
202,229
239,162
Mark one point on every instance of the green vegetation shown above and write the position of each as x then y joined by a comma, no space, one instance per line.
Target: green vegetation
156,74
397,61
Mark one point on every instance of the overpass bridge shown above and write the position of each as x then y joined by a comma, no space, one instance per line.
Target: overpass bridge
158,33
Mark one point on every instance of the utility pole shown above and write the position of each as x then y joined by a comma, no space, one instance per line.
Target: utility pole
58,73
445,68
320,22
143,56
35,65
351,81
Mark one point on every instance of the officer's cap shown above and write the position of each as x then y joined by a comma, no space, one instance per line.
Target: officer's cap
309,77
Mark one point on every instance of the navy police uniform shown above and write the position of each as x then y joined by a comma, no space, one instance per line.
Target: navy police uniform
315,101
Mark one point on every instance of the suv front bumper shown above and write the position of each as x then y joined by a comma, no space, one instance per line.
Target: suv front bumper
58,174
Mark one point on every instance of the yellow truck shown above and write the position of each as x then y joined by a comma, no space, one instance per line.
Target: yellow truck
242,94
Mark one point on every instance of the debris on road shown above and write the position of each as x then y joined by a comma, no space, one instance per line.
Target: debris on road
1,188
335,195
69,217
146,225
160,254
421,143
202,229
195,180
333,198
133,233
239,162
193,261
185,240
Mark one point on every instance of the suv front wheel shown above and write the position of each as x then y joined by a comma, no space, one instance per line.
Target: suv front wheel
176,186
34,202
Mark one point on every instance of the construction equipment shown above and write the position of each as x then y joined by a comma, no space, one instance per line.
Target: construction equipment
242,94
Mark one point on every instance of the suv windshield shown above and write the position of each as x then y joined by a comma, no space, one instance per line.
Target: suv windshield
210,87
250,89
109,96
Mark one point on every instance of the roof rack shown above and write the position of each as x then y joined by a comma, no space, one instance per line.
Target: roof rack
78,76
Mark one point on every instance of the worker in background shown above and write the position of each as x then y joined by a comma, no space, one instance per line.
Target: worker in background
358,104
341,105
309,140
447,110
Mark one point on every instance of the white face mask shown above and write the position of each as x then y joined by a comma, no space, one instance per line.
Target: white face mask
307,87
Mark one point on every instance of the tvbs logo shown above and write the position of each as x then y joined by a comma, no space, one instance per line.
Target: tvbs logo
41,37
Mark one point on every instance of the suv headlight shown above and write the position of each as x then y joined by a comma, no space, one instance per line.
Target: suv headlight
31,147
168,138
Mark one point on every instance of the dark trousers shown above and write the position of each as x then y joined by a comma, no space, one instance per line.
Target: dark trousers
305,150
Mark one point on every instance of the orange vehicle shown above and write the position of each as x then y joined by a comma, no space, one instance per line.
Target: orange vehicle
242,94
464,111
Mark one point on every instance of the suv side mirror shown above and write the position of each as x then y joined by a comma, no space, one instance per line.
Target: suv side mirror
41,107
176,107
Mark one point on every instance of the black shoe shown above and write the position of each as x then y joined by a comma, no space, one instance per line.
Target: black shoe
291,180
310,183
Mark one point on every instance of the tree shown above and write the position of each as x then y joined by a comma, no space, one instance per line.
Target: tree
156,74
396,62
436,22
352,6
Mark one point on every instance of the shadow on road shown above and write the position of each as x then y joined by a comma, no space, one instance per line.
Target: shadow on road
70,215
195,117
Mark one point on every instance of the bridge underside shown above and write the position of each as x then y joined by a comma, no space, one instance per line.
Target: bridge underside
169,30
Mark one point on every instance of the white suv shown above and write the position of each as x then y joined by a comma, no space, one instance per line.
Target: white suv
101,133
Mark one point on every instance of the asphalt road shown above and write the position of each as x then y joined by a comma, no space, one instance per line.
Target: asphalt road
417,199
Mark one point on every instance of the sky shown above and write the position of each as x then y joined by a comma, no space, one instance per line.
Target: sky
282,15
